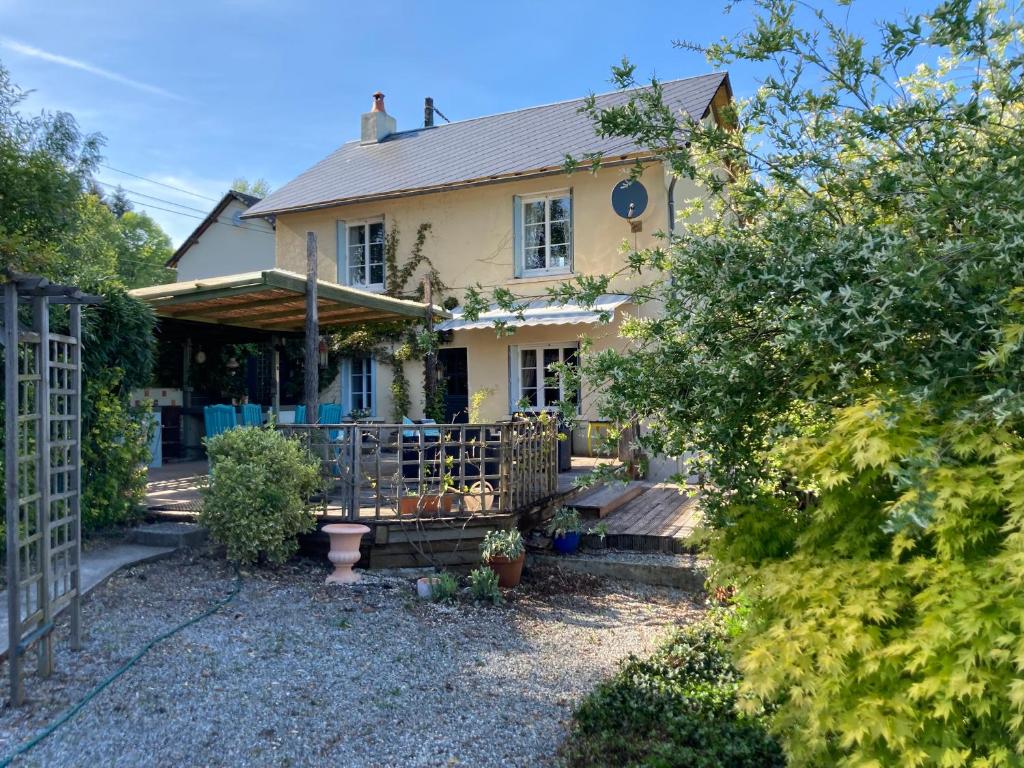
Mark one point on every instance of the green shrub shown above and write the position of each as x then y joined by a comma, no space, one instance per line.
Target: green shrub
502,544
444,588
483,585
115,449
565,520
676,709
256,502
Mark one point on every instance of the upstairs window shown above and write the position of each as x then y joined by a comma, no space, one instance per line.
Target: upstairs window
543,230
364,254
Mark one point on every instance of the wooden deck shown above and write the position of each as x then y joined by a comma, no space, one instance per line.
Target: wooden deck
173,489
658,520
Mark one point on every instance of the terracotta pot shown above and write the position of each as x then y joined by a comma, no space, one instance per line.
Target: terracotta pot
509,571
411,506
345,538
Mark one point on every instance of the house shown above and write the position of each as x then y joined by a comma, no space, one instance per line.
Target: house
224,243
502,213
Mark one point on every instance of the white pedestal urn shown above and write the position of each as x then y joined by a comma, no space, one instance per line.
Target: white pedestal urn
344,552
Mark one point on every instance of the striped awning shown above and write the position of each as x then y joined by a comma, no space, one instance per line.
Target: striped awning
539,312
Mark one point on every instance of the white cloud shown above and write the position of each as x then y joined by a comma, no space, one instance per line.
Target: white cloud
66,61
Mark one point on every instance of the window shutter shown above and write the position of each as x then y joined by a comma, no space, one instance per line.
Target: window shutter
373,386
572,231
517,235
342,254
513,378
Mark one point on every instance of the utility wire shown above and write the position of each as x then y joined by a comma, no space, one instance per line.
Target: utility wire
150,197
200,218
158,183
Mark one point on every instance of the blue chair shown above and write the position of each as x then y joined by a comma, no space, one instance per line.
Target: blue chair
252,415
329,413
300,414
218,419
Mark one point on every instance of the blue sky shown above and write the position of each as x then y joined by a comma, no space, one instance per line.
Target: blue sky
194,94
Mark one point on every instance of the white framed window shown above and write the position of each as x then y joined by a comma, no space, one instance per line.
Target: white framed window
364,254
535,384
359,385
544,234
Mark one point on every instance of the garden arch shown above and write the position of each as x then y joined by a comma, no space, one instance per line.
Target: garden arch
42,465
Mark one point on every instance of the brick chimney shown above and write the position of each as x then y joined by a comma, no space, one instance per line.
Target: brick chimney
376,124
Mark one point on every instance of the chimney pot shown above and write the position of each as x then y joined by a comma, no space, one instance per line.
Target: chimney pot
376,125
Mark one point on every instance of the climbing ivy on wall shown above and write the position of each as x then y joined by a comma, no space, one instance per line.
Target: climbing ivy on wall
395,344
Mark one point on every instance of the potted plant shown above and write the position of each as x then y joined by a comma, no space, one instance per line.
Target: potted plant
504,552
565,530
412,504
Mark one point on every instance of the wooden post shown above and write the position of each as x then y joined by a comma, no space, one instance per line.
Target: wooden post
312,364
275,376
11,371
41,321
430,359
76,478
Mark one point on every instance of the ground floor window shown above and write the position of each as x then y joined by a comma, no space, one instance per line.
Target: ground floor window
536,383
358,385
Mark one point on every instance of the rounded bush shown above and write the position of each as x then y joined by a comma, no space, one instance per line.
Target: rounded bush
257,500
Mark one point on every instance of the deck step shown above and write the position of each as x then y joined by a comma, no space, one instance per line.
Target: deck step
607,497
168,534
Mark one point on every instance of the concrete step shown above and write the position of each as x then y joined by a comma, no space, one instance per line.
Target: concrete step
686,572
607,497
168,534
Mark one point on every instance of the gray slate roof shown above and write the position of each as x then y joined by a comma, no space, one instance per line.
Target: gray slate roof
529,140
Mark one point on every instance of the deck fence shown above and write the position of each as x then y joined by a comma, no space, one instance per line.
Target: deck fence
388,471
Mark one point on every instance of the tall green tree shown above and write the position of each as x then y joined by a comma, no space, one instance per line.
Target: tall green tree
842,339
53,222
258,188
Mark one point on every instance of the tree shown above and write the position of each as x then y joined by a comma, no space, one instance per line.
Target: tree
259,188
118,202
842,337
45,162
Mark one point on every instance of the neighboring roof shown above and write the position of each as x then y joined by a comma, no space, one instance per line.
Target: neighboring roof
539,312
274,300
529,141
245,199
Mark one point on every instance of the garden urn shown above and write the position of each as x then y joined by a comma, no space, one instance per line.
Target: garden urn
345,538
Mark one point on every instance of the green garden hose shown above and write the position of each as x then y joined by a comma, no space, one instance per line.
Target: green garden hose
70,713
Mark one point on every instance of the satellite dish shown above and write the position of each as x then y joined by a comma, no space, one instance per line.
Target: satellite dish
629,199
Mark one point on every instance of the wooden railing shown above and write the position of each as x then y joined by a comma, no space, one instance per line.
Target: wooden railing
383,471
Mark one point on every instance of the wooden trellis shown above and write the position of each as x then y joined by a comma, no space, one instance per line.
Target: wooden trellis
42,466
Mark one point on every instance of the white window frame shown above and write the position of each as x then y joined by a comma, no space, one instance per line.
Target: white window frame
365,225
369,376
517,375
546,197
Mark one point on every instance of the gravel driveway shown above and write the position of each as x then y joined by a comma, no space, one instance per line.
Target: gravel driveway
296,673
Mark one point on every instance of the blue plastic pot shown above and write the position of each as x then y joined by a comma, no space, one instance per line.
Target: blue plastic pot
567,543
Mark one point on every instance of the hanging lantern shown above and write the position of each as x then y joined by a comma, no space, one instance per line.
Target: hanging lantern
323,352
232,364
200,357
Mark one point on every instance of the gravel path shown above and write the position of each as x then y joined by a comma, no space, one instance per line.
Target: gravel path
296,673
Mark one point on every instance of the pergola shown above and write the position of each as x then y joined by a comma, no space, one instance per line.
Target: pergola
274,300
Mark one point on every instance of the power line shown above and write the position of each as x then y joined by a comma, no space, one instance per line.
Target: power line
159,183
150,197
200,218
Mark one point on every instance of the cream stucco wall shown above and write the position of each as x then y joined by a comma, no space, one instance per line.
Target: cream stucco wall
471,243
229,247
